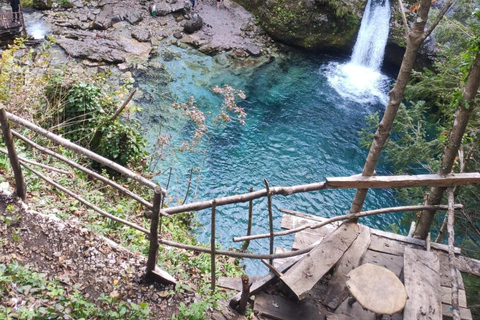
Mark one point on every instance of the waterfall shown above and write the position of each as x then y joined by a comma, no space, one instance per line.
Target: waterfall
360,79
372,37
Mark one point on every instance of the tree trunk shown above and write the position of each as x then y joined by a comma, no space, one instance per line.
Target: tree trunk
415,38
465,109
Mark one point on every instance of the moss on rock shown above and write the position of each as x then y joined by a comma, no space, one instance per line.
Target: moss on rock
313,24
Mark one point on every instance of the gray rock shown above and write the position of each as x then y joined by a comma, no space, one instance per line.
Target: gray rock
104,49
141,34
194,24
164,8
111,14
178,35
253,50
134,17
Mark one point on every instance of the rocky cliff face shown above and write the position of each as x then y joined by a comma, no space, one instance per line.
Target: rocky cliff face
326,25
311,24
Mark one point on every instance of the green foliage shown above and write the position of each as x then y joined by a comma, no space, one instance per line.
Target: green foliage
421,127
21,285
194,311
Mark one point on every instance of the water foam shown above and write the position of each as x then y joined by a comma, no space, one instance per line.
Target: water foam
360,79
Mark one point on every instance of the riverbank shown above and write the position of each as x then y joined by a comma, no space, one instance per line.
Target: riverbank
128,33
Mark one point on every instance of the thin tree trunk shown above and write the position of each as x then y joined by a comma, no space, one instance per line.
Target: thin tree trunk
414,40
20,186
465,109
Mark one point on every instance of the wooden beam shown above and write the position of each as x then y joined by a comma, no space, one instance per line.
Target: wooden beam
336,291
418,242
468,265
311,268
422,282
404,181
260,283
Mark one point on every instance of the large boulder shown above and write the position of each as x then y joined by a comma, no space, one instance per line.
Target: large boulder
102,49
194,24
167,7
111,14
42,4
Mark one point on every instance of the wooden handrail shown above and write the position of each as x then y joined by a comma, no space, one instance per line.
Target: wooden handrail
352,182
92,155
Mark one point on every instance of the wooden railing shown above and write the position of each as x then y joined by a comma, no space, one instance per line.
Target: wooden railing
157,209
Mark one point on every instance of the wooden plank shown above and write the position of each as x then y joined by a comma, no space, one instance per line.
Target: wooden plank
275,307
261,283
351,259
306,238
445,275
291,222
234,283
418,242
392,262
339,316
468,265
312,267
385,245
447,297
421,275
465,314
278,262
355,311
402,181
310,217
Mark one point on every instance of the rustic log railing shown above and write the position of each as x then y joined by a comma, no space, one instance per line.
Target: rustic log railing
16,162
158,211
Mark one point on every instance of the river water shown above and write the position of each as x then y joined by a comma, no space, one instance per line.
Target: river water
304,112
298,130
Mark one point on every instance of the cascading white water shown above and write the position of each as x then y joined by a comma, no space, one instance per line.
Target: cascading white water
372,37
360,79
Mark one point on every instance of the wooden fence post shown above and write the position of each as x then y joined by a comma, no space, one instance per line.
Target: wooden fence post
249,227
20,186
270,218
212,245
153,250
451,255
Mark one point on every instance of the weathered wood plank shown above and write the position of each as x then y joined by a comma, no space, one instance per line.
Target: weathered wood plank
355,311
311,217
418,242
447,297
276,307
445,274
278,262
292,222
234,283
339,316
421,276
312,267
351,259
261,283
385,245
306,238
465,314
392,262
402,181
468,265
